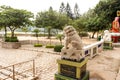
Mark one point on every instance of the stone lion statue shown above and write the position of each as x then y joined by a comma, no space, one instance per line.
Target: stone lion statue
107,36
73,46
71,37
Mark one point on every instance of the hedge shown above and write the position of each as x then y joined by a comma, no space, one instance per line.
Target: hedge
58,48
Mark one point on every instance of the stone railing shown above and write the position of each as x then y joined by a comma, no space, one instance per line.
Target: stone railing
93,49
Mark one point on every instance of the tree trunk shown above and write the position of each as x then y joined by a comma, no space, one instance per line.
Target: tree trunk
36,34
93,34
57,31
61,42
5,32
44,32
37,40
49,33
12,33
97,35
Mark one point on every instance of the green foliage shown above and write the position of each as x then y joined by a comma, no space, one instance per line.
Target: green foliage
38,45
99,38
49,46
60,36
62,9
25,29
46,19
14,18
11,39
69,11
76,11
79,24
36,31
61,21
94,23
107,9
58,48
49,31
51,19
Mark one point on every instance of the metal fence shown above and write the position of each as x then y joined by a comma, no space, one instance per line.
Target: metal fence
18,71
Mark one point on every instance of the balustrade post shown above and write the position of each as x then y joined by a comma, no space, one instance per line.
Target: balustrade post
13,72
33,68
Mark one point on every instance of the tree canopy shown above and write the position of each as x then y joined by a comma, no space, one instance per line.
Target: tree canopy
76,11
51,19
107,9
14,18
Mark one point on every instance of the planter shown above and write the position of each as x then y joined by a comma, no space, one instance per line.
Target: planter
11,45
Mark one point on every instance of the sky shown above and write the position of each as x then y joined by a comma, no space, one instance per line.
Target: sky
43,5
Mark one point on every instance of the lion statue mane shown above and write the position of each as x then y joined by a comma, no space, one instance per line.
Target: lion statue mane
73,46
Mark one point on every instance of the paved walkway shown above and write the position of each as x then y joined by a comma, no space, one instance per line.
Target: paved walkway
45,60
105,66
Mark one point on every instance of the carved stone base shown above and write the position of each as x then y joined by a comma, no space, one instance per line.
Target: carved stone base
11,45
71,54
108,45
73,70
61,77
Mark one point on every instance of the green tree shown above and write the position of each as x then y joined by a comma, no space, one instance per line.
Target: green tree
107,9
69,11
76,11
61,21
62,9
36,31
3,18
79,25
51,19
46,19
92,22
16,18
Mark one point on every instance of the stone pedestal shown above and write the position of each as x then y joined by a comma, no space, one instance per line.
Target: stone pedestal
108,45
11,45
70,70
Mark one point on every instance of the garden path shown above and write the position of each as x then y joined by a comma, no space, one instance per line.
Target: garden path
105,66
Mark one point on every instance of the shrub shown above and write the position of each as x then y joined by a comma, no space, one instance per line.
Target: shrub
38,45
99,38
11,39
58,48
49,46
6,39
